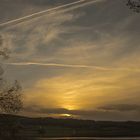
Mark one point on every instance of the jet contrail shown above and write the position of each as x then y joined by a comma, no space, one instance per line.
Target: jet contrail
57,65
75,66
76,4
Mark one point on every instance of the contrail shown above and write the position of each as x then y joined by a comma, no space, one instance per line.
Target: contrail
57,65
75,66
70,6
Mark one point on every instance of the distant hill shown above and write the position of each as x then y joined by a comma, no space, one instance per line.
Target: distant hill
52,127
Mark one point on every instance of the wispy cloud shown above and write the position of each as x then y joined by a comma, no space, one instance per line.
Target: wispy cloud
121,107
64,8
75,66
79,60
86,114
58,65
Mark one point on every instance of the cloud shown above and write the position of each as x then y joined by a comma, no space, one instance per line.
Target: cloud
84,114
37,38
76,90
121,107
62,8
24,7
79,61
65,65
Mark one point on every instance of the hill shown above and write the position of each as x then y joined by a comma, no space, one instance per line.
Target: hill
52,127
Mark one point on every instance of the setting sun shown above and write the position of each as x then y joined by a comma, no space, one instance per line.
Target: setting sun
69,68
82,62
65,115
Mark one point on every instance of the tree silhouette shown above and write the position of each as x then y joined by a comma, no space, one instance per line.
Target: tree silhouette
10,98
10,94
134,5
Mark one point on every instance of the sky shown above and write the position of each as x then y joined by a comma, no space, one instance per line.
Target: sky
80,60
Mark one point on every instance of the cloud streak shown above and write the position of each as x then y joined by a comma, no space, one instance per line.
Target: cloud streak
57,65
121,107
96,114
74,66
83,62
69,6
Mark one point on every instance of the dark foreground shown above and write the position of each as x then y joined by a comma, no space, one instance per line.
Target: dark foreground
18,127
88,138
72,138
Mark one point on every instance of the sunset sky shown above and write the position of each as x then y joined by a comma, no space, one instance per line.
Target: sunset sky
80,61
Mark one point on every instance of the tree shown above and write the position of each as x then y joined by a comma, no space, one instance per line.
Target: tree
134,5
10,98
10,94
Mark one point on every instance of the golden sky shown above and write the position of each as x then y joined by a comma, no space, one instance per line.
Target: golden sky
80,61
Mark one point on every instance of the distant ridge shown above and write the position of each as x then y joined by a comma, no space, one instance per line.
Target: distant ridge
53,127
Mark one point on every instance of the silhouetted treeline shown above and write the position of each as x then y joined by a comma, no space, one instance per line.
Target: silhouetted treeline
50,127
134,5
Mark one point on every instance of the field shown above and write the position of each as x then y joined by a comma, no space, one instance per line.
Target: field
50,127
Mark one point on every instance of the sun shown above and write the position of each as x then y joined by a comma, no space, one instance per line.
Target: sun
66,115
70,107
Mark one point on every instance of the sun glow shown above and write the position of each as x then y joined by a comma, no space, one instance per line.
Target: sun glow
69,106
66,115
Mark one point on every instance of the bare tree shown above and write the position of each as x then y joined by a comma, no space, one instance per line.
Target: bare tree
10,95
10,98
134,5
